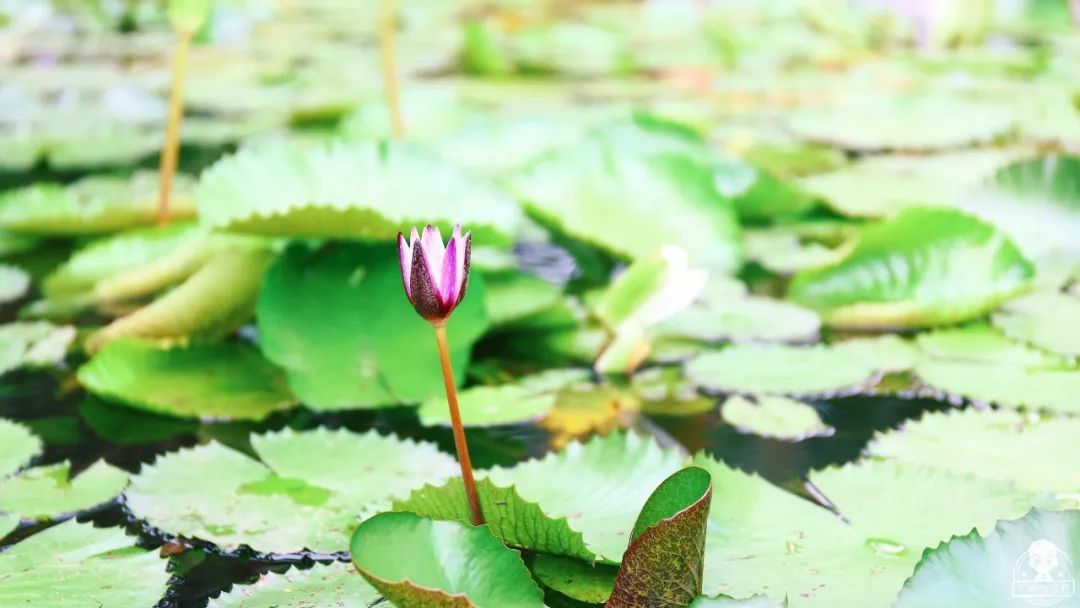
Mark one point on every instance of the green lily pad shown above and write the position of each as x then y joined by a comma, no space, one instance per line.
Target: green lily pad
923,267
1035,201
758,601
198,308
12,244
33,344
299,496
17,446
8,523
14,283
982,365
1032,453
782,251
1028,561
128,426
315,317
513,296
512,519
745,319
908,123
336,585
576,579
110,256
93,205
882,186
489,406
665,560
889,354
612,477
75,565
213,380
774,417
45,492
606,195
664,391
780,370
347,190
404,557
1050,321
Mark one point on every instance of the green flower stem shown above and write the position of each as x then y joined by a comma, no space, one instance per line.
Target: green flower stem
460,444
170,150
388,51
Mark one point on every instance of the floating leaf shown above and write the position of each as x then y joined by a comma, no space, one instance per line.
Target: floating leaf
298,497
188,15
335,585
983,365
1050,321
665,560
8,523
114,255
198,308
1029,560
882,186
512,296
589,410
128,426
774,417
404,557
665,392
74,565
17,446
33,344
92,205
489,406
315,320
909,123
1034,454
14,283
889,354
758,601
780,370
745,319
213,380
606,196
582,581
512,519
923,267
611,480
1035,201
46,491
347,190
783,251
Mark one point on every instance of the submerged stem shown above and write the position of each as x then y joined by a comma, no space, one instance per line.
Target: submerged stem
460,445
170,150
388,51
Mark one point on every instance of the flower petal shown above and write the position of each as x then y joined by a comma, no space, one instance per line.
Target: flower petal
405,257
464,246
424,292
434,251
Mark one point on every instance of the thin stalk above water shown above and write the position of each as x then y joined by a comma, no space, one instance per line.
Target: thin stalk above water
388,51
475,513
170,149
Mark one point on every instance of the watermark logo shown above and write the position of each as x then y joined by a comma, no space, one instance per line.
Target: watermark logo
1042,575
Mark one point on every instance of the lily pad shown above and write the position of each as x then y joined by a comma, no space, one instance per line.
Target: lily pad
14,283
782,251
924,267
1032,453
665,560
33,344
299,496
404,557
213,380
198,308
347,190
745,319
1050,321
606,195
1028,560
45,492
576,579
17,446
612,477
982,365
513,296
758,601
489,406
514,520
774,417
780,370
1035,201
93,205
335,585
315,319
907,123
74,565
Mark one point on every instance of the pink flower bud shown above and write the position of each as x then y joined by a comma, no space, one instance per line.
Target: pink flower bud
435,276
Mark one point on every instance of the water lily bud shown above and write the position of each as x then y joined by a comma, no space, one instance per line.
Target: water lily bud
435,276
